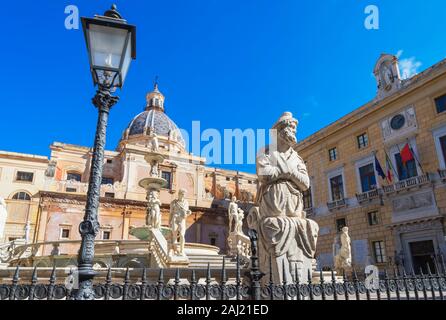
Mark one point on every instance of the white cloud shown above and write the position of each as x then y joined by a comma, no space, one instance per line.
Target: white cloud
409,66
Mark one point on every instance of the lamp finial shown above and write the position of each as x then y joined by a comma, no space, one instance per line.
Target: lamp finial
113,12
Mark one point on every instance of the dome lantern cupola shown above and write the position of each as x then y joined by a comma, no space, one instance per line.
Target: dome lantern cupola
153,120
155,99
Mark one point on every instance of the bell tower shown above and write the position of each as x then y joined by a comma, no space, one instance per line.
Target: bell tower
387,75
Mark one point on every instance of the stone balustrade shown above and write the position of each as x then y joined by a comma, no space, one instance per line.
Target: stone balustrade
369,195
338,204
406,184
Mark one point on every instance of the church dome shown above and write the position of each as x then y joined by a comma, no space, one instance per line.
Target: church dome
154,119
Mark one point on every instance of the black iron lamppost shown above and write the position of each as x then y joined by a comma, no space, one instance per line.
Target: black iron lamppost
111,44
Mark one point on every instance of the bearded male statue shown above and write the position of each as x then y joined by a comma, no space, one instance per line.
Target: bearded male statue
285,235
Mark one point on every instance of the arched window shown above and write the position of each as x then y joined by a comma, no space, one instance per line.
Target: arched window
21,196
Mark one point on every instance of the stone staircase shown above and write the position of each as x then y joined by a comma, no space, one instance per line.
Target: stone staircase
201,261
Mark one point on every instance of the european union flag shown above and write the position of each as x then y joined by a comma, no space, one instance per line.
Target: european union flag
379,169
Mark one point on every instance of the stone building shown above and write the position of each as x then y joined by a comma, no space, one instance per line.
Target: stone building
50,192
397,222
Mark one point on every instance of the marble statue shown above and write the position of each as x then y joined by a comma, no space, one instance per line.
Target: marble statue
153,143
51,169
153,217
284,233
179,210
342,251
154,169
239,221
27,231
234,213
3,216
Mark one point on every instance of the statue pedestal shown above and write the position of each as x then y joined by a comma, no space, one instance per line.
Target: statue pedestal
326,275
238,244
176,261
160,247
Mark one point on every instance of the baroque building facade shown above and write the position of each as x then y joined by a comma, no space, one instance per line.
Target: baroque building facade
394,220
47,195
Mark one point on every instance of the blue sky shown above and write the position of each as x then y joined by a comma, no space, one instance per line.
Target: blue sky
229,64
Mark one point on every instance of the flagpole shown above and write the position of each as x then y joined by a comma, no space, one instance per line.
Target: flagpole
415,157
389,161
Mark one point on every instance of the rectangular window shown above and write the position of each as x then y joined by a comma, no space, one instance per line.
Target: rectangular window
65,234
440,103
307,200
106,235
213,241
167,175
109,161
68,189
443,147
379,251
109,195
337,188
406,171
24,176
373,218
363,140
74,176
340,223
106,180
368,179
333,154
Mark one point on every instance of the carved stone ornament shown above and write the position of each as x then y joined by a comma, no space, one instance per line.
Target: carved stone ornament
412,202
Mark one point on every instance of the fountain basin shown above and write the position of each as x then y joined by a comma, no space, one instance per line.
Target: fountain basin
153,183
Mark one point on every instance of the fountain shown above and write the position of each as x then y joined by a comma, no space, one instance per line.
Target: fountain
160,238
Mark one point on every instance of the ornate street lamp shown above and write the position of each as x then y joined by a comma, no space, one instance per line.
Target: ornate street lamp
111,45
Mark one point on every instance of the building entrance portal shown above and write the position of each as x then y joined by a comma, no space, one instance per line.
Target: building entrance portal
422,253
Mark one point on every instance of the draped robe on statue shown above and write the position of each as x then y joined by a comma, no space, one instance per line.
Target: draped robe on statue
283,229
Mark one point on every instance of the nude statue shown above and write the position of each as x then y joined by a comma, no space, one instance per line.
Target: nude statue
153,217
179,210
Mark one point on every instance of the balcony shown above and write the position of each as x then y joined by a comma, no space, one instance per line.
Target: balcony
407,184
369,195
338,204
442,173
309,212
